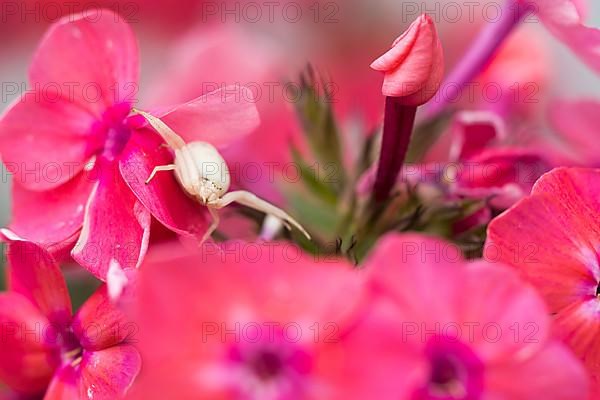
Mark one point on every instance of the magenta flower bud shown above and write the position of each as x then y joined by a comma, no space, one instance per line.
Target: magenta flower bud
414,66
413,71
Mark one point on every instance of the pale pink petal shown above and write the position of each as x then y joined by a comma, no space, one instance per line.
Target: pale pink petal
116,280
100,323
579,326
393,350
498,301
577,122
53,217
35,274
219,117
400,49
29,352
98,52
45,144
415,272
552,373
563,19
116,226
163,196
108,374
267,290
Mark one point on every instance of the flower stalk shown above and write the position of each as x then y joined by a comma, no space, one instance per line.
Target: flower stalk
398,125
413,70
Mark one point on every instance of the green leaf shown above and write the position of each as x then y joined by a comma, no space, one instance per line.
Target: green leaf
317,118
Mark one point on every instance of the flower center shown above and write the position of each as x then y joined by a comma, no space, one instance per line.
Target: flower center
113,132
71,350
272,368
446,378
598,290
455,371
266,364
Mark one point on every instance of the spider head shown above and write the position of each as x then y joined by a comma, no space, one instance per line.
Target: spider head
208,191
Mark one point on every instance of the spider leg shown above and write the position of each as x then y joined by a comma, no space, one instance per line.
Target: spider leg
159,168
213,225
173,140
251,200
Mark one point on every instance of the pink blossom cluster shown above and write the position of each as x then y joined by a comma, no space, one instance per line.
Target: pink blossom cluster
396,309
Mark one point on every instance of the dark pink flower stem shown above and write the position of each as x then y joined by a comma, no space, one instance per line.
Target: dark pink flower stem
478,55
397,129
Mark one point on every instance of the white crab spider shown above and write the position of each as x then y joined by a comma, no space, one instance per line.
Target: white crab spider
202,173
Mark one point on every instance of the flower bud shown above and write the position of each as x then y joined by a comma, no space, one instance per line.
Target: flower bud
414,66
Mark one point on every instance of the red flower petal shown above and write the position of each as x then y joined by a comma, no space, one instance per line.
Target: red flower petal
552,236
505,175
28,355
51,218
45,144
116,226
101,375
163,196
108,374
34,274
98,52
100,323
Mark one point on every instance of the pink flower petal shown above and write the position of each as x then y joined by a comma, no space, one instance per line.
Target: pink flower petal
579,326
400,49
552,373
563,19
98,52
553,236
577,122
258,283
34,274
473,131
505,175
108,374
470,133
116,226
163,196
268,290
45,143
404,268
100,323
496,296
101,375
51,218
29,352
219,117
431,283
64,384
